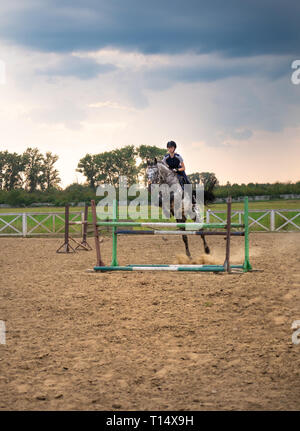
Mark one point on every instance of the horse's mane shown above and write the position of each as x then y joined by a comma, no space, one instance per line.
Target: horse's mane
167,169
163,163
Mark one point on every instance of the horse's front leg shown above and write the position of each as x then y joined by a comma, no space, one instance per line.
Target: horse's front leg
206,248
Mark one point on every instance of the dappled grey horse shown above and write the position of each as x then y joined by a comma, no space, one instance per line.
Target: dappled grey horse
159,173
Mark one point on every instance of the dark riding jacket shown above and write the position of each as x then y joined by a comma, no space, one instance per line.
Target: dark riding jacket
174,163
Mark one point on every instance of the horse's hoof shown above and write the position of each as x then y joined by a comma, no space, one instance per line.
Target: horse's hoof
207,250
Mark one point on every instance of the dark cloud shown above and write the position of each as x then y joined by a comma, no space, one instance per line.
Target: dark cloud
82,68
232,27
216,69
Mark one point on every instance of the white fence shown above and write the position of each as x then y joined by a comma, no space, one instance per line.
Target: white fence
269,220
258,198
30,224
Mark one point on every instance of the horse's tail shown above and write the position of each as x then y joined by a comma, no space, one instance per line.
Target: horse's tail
209,197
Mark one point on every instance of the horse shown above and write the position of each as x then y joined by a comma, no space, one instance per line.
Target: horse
158,172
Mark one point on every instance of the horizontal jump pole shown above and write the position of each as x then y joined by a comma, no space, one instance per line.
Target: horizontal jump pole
185,265
158,224
203,268
175,232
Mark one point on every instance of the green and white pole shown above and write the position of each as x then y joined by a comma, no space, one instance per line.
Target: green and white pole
114,261
192,226
247,266
203,268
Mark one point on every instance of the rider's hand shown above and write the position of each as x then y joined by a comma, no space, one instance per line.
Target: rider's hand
175,170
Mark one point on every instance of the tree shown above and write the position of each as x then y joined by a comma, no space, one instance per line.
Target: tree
2,168
195,178
33,169
87,166
148,152
11,167
108,166
209,179
124,163
50,175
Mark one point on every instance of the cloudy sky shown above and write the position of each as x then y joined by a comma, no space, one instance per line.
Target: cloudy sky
87,76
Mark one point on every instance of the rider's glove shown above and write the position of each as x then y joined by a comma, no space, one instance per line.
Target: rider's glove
175,170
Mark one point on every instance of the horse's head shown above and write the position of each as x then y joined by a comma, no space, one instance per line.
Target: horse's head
152,172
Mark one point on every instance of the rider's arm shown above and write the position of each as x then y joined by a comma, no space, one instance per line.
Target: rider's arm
182,167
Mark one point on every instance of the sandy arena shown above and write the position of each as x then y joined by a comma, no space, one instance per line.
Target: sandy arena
149,341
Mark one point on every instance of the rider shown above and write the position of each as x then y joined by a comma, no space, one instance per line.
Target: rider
175,162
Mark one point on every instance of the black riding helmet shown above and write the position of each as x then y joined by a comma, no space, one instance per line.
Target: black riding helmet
171,144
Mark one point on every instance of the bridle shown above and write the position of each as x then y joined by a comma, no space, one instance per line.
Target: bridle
153,174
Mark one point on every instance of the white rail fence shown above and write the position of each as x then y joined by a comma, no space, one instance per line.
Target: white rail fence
30,224
269,220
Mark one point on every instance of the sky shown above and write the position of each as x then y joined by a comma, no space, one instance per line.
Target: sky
80,77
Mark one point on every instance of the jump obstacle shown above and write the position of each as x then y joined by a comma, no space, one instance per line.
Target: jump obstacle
66,247
201,229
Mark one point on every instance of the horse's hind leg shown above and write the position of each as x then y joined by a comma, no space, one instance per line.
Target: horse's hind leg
186,243
185,239
206,248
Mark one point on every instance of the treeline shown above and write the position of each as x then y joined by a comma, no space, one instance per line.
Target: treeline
31,177
74,193
77,193
105,168
29,171
256,189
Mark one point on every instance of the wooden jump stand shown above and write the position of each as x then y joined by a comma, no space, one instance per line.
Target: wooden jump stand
66,247
96,235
